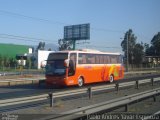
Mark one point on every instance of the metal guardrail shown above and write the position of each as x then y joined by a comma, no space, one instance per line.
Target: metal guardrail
10,82
84,111
24,72
22,100
89,91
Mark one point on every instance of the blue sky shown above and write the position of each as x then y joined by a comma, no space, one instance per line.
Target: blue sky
109,20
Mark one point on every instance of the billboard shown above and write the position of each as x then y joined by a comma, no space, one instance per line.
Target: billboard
77,32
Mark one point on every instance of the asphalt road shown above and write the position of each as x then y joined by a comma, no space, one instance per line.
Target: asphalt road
7,92
147,106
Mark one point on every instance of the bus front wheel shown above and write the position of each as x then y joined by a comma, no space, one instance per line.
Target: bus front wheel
111,78
80,81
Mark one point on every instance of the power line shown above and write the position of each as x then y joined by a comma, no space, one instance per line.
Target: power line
33,18
55,22
31,39
18,39
60,23
24,38
96,46
107,30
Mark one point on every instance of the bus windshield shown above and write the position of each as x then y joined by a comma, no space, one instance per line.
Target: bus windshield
55,64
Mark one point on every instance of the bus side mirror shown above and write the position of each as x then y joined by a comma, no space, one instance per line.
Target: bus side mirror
43,64
66,63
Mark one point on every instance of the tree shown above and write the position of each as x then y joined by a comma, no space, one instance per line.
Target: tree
29,63
1,59
49,49
155,42
41,46
138,54
154,49
131,38
65,45
12,62
135,50
150,51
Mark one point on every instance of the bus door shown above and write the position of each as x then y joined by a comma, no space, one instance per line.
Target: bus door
72,64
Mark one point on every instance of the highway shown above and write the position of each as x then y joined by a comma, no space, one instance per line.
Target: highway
15,91
74,103
20,91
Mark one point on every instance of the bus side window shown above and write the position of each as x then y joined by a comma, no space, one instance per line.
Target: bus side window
120,59
92,59
97,59
114,59
108,59
89,58
105,59
101,59
84,59
80,58
73,57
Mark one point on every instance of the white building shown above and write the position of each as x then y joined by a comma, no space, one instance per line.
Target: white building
41,57
21,58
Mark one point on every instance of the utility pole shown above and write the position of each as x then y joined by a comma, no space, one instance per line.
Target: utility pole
127,64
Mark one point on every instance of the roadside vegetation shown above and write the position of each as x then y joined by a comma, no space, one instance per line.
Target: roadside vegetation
141,55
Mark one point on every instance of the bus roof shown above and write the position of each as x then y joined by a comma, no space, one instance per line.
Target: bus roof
87,51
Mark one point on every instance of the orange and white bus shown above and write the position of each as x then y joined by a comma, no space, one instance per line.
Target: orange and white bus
79,67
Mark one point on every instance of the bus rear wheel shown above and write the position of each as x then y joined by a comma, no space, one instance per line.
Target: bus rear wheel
111,78
80,81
